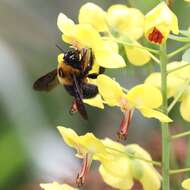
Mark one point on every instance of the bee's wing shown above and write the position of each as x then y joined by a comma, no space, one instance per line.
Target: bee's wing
78,98
47,82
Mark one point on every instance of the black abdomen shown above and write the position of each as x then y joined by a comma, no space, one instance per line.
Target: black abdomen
86,90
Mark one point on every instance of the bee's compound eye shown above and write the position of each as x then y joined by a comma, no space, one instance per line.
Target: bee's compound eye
61,73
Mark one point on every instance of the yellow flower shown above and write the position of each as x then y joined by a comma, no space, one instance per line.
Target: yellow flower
186,184
174,83
177,81
56,186
84,144
187,1
87,146
159,22
137,55
85,36
121,167
94,15
144,97
126,21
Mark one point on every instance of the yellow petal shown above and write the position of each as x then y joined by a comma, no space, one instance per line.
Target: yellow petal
143,171
110,44
182,73
174,83
125,183
163,20
186,184
60,58
88,36
110,90
91,144
96,102
65,24
113,145
108,58
138,151
145,95
126,20
154,79
69,136
56,186
118,166
150,113
137,56
185,107
94,15
150,179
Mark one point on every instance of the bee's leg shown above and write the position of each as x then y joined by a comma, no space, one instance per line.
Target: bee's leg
101,70
93,75
89,90
89,66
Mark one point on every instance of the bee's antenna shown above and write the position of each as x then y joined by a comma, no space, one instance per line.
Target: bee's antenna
59,48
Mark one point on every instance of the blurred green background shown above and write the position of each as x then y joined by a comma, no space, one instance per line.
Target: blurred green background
31,150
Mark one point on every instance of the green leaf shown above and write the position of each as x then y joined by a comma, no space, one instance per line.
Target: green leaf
186,55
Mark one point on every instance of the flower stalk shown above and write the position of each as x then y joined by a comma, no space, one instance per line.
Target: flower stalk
164,126
179,171
181,135
179,50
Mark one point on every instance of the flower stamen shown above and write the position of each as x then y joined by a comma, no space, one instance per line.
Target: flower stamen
81,177
124,126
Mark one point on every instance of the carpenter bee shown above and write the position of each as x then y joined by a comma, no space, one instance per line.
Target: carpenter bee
72,72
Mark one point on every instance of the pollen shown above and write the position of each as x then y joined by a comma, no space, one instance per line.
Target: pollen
156,36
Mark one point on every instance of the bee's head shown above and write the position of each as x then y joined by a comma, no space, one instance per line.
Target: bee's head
73,58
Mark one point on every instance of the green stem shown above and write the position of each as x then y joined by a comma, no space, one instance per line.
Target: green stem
170,55
164,126
178,68
179,38
181,135
131,44
179,171
154,58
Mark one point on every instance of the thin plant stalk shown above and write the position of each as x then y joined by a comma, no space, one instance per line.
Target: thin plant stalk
164,126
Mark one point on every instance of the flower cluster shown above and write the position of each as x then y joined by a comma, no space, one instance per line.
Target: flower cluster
103,32
119,164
